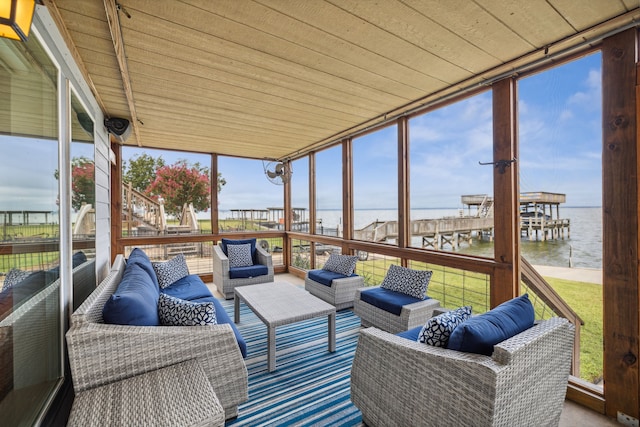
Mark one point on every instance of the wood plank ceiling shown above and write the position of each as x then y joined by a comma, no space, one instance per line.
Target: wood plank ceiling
277,78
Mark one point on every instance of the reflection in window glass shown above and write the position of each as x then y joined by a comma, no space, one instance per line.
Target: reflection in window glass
83,202
375,186
451,195
329,191
560,134
252,198
300,195
30,342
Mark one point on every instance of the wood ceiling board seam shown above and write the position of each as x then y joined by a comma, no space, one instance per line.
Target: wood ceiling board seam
267,126
261,75
419,30
245,56
517,15
253,96
142,65
581,15
323,25
311,118
241,34
474,24
237,139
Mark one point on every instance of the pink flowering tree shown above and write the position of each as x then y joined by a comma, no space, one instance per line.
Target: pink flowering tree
83,182
181,183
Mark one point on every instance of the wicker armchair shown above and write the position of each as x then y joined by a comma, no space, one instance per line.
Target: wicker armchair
102,353
226,284
341,292
399,382
412,315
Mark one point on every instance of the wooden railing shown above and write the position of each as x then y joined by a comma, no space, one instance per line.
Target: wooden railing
546,293
140,210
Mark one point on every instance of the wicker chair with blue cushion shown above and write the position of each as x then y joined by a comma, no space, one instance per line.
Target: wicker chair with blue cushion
399,303
239,263
335,283
505,371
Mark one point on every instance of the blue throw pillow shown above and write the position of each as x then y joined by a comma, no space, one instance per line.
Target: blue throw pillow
135,302
171,271
480,333
178,312
343,264
438,329
226,242
240,255
407,281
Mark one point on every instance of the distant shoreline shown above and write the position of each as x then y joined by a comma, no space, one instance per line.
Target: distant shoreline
588,275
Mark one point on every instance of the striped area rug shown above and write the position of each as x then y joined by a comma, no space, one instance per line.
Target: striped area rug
310,386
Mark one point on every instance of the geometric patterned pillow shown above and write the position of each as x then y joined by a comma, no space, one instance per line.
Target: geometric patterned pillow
437,330
343,264
14,276
239,255
178,312
169,272
407,281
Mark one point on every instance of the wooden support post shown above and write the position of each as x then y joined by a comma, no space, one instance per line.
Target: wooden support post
505,282
116,202
621,206
347,192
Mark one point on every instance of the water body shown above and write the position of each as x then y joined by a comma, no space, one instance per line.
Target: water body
583,248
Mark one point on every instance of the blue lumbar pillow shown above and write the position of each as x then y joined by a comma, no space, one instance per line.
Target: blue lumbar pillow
480,333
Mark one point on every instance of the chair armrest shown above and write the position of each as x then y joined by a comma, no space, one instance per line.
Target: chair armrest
102,353
263,257
220,262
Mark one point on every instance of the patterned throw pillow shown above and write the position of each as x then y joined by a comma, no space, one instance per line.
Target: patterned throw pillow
437,330
407,281
169,272
14,276
343,264
239,255
178,312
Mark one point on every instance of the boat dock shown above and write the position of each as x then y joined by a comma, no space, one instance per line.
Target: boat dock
539,220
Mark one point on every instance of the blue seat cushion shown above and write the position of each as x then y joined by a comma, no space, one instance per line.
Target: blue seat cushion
135,302
188,288
411,334
480,333
246,272
223,317
387,300
326,277
138,256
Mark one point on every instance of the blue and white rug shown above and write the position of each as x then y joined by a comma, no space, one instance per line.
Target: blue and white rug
310,386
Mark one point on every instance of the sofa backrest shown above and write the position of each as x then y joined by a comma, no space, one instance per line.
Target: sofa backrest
91,309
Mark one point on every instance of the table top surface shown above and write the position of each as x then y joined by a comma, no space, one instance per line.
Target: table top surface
279,303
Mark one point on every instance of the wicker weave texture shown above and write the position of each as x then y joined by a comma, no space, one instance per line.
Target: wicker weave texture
411,316
225,284
101,353
341,293
397,382
178,395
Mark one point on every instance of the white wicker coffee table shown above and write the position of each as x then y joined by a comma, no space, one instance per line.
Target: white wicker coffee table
281,303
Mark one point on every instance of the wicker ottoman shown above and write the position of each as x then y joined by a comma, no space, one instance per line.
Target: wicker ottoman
178,395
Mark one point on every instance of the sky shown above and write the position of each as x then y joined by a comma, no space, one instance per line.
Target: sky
560,151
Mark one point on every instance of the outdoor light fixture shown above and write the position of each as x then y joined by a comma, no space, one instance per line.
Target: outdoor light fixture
15,18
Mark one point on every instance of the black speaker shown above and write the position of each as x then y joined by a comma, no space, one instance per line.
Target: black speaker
118,127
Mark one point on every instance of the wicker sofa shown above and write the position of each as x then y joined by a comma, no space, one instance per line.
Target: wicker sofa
399,382
102,353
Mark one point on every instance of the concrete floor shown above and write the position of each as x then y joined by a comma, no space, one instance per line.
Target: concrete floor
573,415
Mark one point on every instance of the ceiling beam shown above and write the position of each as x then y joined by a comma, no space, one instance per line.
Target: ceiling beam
57,18
111,8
